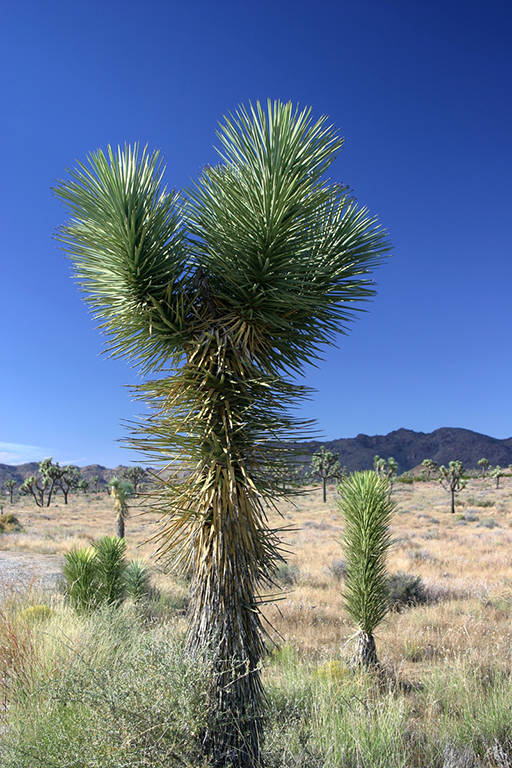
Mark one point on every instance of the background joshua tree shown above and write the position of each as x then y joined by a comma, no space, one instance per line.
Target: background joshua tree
496,473
121,490
134,475
367,511
452,476
95,479
227,289
484,463
325,465
10,485
430,466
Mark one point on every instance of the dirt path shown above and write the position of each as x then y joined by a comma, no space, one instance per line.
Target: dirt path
23,570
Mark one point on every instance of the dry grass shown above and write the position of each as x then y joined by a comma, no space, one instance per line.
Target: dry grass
466,567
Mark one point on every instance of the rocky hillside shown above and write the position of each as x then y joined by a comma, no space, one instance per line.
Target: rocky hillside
410,448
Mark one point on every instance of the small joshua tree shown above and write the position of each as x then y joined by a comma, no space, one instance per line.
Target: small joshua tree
95,479
497,472
484,463
121,490
10,486
379,465
325,465
367,510
430,466
37,487
452,476
83,485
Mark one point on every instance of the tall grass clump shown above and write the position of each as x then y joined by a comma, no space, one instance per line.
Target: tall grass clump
117,696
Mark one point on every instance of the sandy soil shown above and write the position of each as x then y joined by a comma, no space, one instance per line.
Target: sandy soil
22,570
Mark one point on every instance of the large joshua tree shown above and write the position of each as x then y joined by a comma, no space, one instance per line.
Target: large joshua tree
227,290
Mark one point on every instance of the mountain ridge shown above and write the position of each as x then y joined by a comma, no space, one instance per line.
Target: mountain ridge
408,447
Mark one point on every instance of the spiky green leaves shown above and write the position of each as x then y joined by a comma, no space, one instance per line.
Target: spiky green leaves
367,511
283,249
126,241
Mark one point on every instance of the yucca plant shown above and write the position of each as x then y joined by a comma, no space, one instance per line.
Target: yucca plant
111,565
81,579
227,289
367,509
137,580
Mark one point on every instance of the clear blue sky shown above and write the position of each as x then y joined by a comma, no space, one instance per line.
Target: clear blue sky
422,93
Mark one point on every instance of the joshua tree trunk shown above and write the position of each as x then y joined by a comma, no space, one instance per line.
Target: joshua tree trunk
120,525
365,654
226,625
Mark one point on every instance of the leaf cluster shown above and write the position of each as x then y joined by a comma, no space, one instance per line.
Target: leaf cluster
367,511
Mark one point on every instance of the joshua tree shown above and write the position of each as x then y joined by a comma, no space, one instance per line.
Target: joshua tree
10,485
95,479
453,477
69,480
121,491
379,465
134,475
325,465
484,463
37,487
228,289
367,511
497,472
430,467
83,485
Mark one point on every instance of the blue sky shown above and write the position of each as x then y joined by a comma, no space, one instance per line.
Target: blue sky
421,92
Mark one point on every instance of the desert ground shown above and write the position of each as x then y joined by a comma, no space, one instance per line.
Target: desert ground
464,561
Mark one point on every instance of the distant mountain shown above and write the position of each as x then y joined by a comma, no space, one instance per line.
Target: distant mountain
407,447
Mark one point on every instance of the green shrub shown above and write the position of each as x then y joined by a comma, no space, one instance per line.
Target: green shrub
405,590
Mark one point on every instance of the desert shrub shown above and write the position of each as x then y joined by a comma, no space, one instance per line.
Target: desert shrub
405,590
478,502
405,479
10,524
288,574
337,569
470,516
487,522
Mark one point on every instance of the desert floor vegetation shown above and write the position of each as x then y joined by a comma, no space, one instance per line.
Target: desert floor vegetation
115,687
